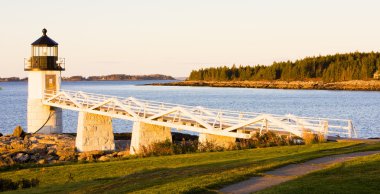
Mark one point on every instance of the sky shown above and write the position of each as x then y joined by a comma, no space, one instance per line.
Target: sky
173,37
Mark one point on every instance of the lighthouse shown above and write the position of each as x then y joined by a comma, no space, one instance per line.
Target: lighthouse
44,70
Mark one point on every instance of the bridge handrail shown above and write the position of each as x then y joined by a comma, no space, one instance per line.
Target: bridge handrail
226,116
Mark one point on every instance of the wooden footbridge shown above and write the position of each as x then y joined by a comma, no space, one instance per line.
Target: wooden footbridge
195,118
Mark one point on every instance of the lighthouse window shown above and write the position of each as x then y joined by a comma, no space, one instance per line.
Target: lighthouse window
44,51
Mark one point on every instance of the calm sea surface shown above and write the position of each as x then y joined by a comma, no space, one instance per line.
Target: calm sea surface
362,107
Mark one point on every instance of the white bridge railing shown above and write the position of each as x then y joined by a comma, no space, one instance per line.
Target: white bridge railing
197,119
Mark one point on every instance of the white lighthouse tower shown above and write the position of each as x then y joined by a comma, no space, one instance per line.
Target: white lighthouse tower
44,68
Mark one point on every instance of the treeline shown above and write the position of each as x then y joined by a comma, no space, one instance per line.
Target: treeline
330,68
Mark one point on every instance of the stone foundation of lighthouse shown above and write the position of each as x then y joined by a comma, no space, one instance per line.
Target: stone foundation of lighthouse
42,118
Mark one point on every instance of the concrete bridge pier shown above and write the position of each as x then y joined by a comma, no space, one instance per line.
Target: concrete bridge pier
217,140
94,132
144,134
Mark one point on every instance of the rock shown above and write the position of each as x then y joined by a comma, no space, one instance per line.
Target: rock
35,157
42,161
113,155
81,157
2,162
123,154
38,148
90,155
33,139
103,158
26,137
27,142
17,145
51,152
50,158
66,155
1,134
18,132
21,157
7,161
47,141
53,161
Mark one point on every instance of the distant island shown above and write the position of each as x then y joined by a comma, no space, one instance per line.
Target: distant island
12,79
351,71
112,77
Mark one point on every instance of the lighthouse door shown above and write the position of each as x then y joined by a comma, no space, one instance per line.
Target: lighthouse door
50,83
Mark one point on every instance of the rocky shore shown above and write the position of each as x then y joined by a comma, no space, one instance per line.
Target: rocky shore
22,148
372,85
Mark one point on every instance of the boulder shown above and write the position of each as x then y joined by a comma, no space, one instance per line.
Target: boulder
7,161
38,149
123,154
33,139
2,162
17,145
104,158
51,152
66,155
34,157
1,134
90,155
82,157
21,157
18,132
42,161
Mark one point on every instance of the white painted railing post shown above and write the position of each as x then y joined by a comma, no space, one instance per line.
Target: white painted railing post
265,124
325,128
350,128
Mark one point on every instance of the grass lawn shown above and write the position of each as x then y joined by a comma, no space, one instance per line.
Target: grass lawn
187,173
361,175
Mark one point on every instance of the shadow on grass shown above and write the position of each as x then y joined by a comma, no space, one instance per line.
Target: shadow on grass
161,177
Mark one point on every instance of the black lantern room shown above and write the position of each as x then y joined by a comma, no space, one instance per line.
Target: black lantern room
44,55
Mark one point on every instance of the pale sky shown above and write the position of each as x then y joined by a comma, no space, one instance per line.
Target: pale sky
172,37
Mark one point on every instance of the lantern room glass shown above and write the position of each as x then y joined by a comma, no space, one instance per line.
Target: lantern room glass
43,51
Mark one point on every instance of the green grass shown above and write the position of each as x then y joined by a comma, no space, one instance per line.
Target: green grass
361,175
188,173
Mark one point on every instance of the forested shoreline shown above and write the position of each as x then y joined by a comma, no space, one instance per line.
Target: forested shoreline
329,68
371,85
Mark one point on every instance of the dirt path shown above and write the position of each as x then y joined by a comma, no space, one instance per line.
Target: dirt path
286,173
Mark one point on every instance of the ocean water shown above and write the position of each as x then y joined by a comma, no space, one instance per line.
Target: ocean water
361,106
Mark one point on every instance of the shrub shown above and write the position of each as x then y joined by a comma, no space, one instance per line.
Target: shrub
184,146
311,138
157,149
209,146
8,184
267,139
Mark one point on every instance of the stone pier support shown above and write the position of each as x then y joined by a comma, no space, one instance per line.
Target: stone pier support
94,132
144,134
221,141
